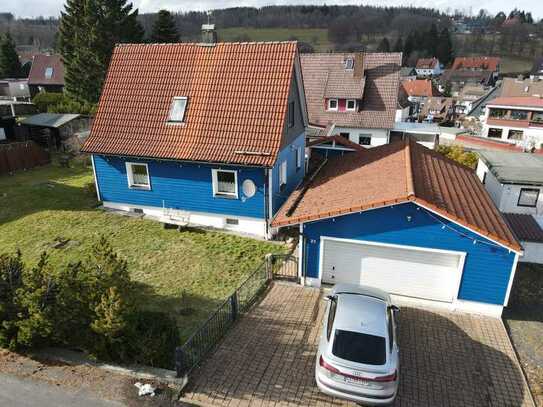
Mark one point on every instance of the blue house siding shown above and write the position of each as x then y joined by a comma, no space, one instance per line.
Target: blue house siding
179,185
487,268
294,175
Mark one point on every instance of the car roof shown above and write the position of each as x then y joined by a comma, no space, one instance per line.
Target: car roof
360,289
361,313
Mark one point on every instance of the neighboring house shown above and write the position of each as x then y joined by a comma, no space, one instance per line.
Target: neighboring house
408,73
208,134
46,74
515,184
457,79
428,67
468,97
403,109
55,131
514,87
484,63
516,120
14,89
418,91
426,134
537,68
439,109
357,93
408,220
478,108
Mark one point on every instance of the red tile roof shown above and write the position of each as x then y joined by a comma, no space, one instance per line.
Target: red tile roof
40,63
420,88
520,101
484,63
379,77
395,173
427,63
525,227
237,101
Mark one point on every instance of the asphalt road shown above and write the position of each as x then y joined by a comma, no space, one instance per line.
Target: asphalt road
28,393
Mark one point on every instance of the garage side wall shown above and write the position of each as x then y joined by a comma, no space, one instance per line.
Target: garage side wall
487,268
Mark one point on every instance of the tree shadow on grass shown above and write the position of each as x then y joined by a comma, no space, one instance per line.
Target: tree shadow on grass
20,199
269,357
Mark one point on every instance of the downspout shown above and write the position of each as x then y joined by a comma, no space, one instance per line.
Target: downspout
266,197
95,179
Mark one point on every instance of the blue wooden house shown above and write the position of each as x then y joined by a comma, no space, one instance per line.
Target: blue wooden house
201,134
406,219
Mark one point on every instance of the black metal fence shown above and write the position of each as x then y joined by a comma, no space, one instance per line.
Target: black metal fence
201,342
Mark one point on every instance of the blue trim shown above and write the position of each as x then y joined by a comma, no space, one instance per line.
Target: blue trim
487,267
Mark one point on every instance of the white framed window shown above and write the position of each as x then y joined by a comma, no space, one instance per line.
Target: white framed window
332,104
351,104
177,109
299,157
283,175
138,176
364,139
528,197
48,72
225,183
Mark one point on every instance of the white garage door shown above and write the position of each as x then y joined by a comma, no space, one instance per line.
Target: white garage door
409,272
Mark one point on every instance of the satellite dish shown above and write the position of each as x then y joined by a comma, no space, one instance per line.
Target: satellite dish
249,188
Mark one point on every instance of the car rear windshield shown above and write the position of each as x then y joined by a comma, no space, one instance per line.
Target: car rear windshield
360,348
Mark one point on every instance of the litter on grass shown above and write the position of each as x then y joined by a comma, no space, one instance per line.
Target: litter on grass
145,389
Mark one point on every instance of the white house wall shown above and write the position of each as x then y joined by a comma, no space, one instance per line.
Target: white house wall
378,136
533,253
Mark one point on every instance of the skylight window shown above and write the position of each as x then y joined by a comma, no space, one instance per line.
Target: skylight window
349,63
48,72
177,109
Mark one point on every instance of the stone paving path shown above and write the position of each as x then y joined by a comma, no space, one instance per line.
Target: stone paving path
447,359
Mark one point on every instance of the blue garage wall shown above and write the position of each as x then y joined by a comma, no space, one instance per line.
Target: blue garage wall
486,269
294,176
180,185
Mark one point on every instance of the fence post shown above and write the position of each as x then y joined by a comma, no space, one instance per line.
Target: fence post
269,266
180,367
234,305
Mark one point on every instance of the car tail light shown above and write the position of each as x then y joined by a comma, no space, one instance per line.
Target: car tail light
388,378
328,367
380,379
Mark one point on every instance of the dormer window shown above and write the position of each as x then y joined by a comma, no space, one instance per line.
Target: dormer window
332,104
177,109
351,105
349,64
48,72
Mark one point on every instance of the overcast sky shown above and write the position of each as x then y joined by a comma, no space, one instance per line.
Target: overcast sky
33,8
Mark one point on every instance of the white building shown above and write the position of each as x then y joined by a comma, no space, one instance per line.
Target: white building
515,184
428,67
515,120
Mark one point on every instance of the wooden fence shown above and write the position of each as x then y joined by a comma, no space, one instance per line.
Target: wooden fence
21,156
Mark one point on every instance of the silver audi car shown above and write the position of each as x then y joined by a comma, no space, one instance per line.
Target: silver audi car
358,355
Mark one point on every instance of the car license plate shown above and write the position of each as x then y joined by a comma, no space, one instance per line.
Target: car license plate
356,382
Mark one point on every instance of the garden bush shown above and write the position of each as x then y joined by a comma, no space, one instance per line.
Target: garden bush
457,153
87,305
51,102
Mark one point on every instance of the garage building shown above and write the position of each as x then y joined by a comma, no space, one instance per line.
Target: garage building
408,220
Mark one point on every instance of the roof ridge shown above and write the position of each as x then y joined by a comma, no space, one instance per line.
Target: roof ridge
410,184
148,44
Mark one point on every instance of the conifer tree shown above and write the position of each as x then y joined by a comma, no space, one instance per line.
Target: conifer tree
384,45
164,29
10,66
89,30
445,52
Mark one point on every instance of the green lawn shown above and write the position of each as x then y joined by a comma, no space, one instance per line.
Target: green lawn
41,205
317,37
510,65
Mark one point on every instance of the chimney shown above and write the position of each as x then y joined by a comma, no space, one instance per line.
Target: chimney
358,65
209,35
